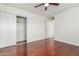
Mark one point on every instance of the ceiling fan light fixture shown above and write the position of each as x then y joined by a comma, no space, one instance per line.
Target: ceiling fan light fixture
46,4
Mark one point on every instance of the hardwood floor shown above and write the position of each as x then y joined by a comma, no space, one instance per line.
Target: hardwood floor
41,48
46,47
64,49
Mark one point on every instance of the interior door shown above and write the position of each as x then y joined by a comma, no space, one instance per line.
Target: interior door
21,35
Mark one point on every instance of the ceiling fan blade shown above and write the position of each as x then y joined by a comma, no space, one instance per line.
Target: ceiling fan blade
39,5
56,4
45,8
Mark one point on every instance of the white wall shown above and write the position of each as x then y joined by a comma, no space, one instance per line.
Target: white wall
7,29
35,25
35,28
67,26
0,30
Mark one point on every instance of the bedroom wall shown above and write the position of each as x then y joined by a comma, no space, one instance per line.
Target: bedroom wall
7,29
67,26
36,25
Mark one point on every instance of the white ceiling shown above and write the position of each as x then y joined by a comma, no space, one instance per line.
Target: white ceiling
52,10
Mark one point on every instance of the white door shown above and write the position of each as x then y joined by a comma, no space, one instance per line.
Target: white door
21,29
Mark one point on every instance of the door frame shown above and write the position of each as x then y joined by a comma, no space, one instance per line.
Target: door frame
25,34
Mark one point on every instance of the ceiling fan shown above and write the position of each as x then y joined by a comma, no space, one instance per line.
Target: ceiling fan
47,4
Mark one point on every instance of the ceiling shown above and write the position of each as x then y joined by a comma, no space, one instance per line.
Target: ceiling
52,10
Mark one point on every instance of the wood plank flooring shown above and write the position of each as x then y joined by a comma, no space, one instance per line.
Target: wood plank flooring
45,47
64,49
